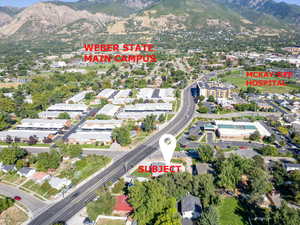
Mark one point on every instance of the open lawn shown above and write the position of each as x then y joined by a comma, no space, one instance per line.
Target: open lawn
44,190
95,146
136,173
239,80
13,178
230,212
110,222
85,168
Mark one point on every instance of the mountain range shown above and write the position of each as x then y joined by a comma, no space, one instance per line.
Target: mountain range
77,20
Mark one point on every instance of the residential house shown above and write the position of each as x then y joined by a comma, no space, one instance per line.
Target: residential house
191,207
122,206
40,177
26,172
8,168
203,168
59,183
291,167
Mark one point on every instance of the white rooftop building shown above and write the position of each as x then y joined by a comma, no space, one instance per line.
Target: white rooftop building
149,107
106,93
123,94
136,115
101,125
59,183
167,94
78,97
43,124
122,101
58,64
62,107
231,129
90,137
55,114
25,134
109,110
145,93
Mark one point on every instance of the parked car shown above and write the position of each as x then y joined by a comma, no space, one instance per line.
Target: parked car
17,198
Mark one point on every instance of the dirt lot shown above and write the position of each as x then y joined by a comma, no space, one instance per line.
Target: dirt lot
110,222
13,216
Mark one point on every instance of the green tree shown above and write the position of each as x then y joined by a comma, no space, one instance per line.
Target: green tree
230,170
169,215
283,130
201,98
211,98
19,164
5,203
72,151
285,216
209,217
147,209
162,118
296,139
103,117
269,139
204,188
121,135
10,155
149,123
206,153
203,109
64,115
255,136
46,160
119,186
259,185
104,205
268,150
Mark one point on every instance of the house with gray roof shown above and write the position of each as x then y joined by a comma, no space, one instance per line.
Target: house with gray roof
26,172
191,207
8,168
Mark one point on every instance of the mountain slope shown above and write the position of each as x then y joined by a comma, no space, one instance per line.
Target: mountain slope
118,8
46,18
75,21
7,13
280,11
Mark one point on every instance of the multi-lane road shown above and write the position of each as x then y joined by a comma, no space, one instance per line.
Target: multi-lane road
66,208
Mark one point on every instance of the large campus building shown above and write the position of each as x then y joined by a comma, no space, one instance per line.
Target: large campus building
215,89
227,129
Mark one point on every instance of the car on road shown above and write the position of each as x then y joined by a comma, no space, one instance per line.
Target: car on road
59,223
17,198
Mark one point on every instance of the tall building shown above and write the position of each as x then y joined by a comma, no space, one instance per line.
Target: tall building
216,89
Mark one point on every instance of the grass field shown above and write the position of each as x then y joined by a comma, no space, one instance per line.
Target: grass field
110,222
44,190
84,168
229,212
239,79
136,173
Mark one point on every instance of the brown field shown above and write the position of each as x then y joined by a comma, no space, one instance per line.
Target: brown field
13,216
9,85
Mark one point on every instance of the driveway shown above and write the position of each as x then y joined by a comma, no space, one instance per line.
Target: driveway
32,203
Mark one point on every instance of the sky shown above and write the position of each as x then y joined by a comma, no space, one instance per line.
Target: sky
24,3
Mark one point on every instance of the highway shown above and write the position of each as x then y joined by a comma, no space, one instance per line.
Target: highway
69,206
